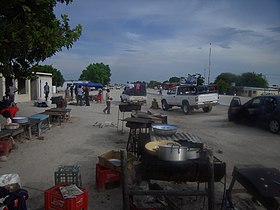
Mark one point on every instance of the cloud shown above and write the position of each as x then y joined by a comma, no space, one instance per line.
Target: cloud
144,40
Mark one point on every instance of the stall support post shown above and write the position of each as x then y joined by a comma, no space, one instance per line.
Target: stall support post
125,181
211,191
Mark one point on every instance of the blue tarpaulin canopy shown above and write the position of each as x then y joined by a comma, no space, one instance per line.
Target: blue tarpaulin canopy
89,84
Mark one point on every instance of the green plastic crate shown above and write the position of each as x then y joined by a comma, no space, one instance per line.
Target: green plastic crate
70,174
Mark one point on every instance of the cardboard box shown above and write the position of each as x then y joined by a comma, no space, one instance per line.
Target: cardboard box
112,154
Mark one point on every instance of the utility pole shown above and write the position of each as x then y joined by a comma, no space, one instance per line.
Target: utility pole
209,65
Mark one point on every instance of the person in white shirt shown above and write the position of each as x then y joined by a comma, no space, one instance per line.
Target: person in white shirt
108,102
80,95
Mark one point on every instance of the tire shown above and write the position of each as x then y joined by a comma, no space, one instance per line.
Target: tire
274,126
164,105
186,107
207,109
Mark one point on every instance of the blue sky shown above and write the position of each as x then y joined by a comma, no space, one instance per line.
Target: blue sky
157,39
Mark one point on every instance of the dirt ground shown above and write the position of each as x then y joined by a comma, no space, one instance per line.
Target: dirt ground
79,142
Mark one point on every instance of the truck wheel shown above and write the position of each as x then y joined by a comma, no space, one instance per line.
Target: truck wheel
186,107
164,105
207,109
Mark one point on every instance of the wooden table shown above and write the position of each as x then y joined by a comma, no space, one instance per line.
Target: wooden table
41,121
61,114
261,182
11,132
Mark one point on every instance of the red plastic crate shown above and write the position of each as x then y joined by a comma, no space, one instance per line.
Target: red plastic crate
55,201
106,178
6,146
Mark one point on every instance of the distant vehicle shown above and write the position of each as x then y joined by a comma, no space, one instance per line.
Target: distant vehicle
135,94
261,110
190,97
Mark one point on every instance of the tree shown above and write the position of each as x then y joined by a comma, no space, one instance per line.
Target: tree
252,79
98,72
228,78
30,33
222,85
174,80
57,78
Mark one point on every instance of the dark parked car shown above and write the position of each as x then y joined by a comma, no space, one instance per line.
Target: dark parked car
262,110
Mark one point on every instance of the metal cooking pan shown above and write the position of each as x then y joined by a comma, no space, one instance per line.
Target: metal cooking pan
177,153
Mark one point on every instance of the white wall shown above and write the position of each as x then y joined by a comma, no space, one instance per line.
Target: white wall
23,97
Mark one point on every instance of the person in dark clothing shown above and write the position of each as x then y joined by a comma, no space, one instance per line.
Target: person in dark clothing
86,91
14,200
71,91
46,90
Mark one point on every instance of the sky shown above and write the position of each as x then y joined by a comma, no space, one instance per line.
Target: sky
157,39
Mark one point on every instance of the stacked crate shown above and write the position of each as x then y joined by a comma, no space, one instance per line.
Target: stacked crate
69,174
55,201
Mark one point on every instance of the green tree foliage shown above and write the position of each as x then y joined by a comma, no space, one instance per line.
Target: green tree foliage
153,84
30,33
98,72
252,79
174,80
228,78
222,85
57,77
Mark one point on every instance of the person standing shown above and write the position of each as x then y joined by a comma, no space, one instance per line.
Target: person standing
86,90
108,102
46,91
99,96
12,91
80,95
71,91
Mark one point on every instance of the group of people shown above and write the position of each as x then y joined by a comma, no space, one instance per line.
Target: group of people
82,96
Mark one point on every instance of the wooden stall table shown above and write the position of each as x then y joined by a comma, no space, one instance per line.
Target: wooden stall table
41,122
11,132
61,114
28,128
261,182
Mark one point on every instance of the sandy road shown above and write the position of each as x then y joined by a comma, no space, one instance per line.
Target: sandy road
79,142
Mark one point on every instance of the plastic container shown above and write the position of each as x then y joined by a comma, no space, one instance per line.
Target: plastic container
107,178
55,201
69,174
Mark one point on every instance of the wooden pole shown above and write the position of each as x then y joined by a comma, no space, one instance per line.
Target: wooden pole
211,191
124,180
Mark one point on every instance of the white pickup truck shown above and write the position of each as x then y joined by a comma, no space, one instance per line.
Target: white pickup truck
190,97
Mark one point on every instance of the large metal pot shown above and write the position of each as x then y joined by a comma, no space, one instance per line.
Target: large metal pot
177,153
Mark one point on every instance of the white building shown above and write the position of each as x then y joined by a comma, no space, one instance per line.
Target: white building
37,85
27,89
